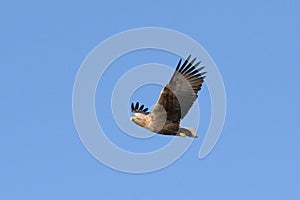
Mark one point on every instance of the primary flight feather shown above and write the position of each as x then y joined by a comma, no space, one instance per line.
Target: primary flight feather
174,102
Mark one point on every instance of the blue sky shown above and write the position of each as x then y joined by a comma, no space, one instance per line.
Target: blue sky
255,45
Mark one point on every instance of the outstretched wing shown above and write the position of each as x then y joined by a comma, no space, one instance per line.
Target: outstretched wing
139,109
178,96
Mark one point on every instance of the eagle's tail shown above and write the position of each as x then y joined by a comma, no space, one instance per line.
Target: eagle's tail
190,132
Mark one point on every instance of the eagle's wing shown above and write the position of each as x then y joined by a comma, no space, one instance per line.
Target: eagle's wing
136,109
178,96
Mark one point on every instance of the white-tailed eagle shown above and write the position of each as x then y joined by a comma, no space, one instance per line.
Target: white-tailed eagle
175,100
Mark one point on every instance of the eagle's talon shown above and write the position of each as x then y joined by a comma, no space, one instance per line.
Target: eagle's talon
182,134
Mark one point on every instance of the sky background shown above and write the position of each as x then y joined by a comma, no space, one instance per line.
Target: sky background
256,47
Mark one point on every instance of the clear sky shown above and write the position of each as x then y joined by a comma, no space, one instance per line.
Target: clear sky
256,47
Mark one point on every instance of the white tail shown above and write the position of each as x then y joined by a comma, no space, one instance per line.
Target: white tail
191,132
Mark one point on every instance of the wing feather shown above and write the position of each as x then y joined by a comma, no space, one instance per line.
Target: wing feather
178,96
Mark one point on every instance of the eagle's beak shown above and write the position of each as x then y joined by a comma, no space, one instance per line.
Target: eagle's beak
131,118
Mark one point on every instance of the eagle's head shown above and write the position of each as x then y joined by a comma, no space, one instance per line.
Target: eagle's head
140,119
141,115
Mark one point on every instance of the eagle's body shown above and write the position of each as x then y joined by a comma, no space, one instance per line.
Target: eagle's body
175,100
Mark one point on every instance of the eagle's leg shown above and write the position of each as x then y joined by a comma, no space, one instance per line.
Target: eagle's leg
182,134
191,132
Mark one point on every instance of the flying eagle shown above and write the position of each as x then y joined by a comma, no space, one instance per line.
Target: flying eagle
174,102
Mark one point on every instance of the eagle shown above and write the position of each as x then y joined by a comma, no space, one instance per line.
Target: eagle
174,102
